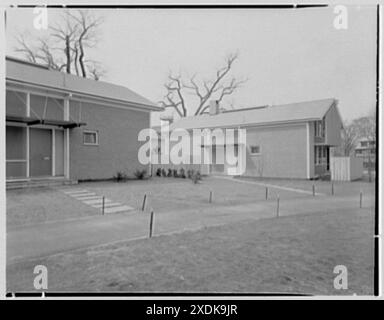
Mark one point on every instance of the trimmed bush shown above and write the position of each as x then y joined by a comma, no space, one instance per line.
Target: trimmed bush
120,176
182,173
140,174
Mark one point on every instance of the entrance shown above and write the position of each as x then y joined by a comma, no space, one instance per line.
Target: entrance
40,146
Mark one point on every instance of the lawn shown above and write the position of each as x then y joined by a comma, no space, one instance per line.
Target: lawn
164,194
286,254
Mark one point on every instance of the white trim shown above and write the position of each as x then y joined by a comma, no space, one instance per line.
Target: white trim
28,104
16,160
97,138
308,152
66,154
53,153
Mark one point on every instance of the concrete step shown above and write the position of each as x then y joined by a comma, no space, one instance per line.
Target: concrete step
36,183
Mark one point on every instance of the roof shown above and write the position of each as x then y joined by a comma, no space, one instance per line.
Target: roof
287,113
25,72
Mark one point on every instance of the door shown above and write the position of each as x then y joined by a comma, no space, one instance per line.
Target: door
40,148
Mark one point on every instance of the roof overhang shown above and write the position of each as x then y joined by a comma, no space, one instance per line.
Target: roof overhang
30,121
78,95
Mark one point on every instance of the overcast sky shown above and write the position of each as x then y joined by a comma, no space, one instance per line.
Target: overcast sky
287,55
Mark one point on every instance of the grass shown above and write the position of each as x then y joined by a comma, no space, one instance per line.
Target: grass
288,254
164,195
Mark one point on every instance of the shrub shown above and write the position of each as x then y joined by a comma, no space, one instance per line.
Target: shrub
158,172
182,173
120,176
169,174
196,177
190,174
140,174
163,172
175,174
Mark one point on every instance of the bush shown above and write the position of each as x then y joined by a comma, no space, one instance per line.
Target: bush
158,172
140,174
120,176
169,174
175,174
196,177
182,173
163,172
190,174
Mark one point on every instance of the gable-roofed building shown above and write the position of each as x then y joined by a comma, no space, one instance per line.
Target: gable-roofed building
61,127
284,141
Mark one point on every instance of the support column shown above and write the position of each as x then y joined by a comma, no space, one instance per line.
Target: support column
66,141
53,153
28,114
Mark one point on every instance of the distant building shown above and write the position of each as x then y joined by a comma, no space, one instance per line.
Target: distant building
60,127
285,141
366,149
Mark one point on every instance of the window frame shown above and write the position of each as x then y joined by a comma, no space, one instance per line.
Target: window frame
254,153
91,132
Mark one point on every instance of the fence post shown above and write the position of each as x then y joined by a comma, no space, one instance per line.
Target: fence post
333,190
102,207
278,206
210,196
313,190
151,224
361,199
144,202
266,193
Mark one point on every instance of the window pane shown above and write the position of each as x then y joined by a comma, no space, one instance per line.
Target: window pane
16,103
16,169
47,108
16,142
90,137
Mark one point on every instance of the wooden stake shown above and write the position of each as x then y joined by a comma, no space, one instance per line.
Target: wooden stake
278,206
144,202
266,193
151,224
313,190
102,207
333,190
361,199
210,196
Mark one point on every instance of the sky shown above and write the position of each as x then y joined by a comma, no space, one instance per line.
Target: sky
287,55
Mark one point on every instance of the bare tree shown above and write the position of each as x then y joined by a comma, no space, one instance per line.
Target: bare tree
203,90
366,129
67,45
348,139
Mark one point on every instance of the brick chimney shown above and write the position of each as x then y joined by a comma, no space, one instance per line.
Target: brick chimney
214,107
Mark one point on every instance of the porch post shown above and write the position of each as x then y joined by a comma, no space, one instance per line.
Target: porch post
66,140
28,114
53,153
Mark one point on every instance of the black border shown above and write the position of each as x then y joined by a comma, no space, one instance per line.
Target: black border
228,6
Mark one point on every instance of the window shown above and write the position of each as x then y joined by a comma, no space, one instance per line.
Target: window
321,155
320,129
91,138
255,150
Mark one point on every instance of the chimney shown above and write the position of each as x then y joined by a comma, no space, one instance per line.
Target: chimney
166,120
213,107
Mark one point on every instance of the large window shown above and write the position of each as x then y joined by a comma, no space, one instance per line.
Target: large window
16,155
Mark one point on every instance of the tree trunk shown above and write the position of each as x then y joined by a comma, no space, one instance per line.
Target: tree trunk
81,60
68,54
